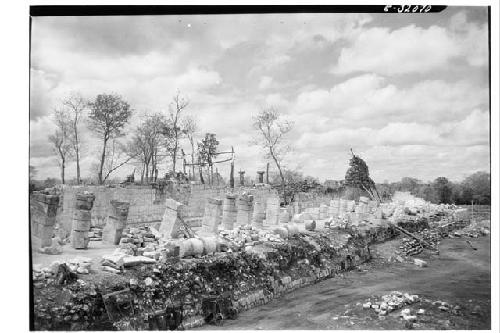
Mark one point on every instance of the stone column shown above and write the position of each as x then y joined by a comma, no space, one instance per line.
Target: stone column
259,212
323,212
229,212
350,205
43,210
242,178
272,210
212,217
244,205
260,177
296,209
333,210
284,215
117,220
82,220
171,222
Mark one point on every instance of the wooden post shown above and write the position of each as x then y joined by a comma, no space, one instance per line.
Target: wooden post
267,173
231,175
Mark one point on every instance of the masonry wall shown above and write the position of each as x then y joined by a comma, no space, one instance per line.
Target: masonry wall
146,205
143,207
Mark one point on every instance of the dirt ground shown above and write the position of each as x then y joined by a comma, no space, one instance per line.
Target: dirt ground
459,276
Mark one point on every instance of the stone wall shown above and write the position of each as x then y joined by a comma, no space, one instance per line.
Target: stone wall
143,207
146,205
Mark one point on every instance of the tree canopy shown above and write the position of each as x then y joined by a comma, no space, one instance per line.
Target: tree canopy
358,176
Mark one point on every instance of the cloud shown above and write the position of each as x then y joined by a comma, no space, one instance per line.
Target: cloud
371,100
473,130
413,49
410,95
265,82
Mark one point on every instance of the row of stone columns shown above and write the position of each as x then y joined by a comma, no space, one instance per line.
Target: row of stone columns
241,210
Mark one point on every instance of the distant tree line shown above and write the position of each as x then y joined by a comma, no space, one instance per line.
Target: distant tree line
475,187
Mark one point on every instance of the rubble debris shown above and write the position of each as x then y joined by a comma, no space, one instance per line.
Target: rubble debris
169,277
420,262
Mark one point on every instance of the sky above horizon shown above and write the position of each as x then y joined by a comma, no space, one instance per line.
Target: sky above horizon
407,92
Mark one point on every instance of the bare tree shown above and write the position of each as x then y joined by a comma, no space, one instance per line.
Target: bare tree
146,143
115,159
60,139
272,129
139,149
155,125
179,103
108,116
190,128
75,105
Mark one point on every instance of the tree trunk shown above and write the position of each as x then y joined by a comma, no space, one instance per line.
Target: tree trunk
368,191
192,157
174,156
147,172
200,169
78,178
142,173
280,172
231,176
103,157
63,166
77,153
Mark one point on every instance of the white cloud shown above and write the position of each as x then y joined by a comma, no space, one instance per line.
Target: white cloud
370,100
265,82
413,49
429,122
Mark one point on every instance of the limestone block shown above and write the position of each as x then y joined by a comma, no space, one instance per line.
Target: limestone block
79,239
229,212
244,205
116,222
212,216
323,212
259,213
272,210
284,215
171,223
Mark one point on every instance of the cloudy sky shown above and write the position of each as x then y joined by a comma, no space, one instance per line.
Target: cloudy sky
409,93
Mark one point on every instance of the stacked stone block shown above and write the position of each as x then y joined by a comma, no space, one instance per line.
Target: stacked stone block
244,205
171,222
117,221
82,220
272,211
229,212
43,210
212,217
259,213
285,215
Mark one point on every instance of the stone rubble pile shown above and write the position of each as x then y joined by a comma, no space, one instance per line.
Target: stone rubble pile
474,230
95,233
410,247
244,258
236,280
79,265
137,241
391,302
431,236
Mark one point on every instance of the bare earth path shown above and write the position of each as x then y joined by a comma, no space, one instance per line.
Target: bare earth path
459,276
